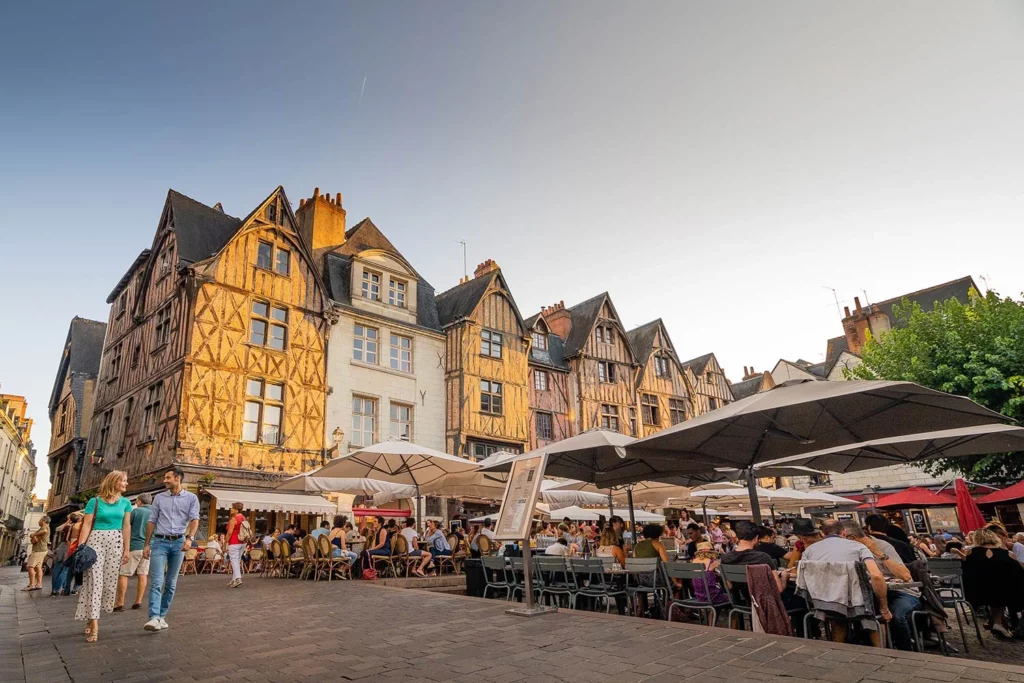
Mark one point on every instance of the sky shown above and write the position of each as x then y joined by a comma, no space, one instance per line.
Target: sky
719,165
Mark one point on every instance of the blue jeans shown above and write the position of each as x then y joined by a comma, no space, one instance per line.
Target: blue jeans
165,560
59,572
338,552
901,605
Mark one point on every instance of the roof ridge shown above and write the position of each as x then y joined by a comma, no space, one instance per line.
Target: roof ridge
591,299
171,190
461,284
908,295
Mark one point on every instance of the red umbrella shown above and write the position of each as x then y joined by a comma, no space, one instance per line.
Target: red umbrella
967,512
915,497
1011,494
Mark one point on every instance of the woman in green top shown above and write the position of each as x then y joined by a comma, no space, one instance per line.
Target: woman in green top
648,548
106,529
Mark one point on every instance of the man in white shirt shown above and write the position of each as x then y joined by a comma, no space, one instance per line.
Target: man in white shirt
411,539
561,547
1018,547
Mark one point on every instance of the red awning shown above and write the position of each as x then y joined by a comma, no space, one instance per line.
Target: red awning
383,512
915,497
1008,495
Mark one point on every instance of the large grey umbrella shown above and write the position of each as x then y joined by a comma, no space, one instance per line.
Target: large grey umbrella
796,418
948,443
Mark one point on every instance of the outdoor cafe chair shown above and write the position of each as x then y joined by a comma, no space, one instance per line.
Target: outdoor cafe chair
736,575
452,560
949,584
188,565
484,544
883,629
495,576
212,565
400,556
643,578
386,560
288,562
688,573
551,572
331,564
589,577
517,578
308,558
257,557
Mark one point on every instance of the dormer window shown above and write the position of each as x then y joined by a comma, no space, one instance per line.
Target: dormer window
272,212
164,264
396,292
540,341
661,366
371,285
604,334
273,258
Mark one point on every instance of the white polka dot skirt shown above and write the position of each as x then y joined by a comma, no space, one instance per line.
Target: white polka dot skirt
99,585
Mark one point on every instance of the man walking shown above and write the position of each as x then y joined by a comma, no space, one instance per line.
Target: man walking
137,564
169,533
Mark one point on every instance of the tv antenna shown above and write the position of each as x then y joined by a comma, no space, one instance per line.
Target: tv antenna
465,265
835,296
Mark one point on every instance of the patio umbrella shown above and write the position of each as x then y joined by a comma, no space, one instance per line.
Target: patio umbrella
394,462
578,514
358,487
796,418
562,494
915,497
893,450
967,512
1011,494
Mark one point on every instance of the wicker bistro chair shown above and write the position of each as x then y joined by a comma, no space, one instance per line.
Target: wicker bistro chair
310,558
330,564
687,573
485,545
589,577
213,565
496,576
553,576
454,561
288,562
386,560
188,565
400,557
948,578
644,577
257,558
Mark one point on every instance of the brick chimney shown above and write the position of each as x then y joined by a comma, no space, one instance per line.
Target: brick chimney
322,220
750,373
558,319
484,268
857,325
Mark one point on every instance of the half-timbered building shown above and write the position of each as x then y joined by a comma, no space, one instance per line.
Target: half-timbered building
552,408
71,411
602,364
214,352
662,390
486,368
710,386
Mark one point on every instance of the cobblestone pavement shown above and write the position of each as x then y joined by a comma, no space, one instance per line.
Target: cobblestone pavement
280,630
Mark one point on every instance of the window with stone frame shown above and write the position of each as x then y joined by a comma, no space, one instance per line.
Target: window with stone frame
365,344
490,397
396,292
371,285
676,410
490,344
401,353
401,421
650,409
609,417
364,422
264,412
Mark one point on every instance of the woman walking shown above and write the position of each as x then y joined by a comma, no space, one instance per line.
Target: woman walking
236,544
106,529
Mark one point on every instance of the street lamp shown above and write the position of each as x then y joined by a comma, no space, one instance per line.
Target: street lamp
870,495
338,437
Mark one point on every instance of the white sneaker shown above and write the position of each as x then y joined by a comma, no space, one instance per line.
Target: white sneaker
153,624
163,624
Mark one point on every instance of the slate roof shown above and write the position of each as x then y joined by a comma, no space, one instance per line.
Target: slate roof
127,277
698,364
747,387
200,230
82,352
642,340
926,298
338,279
461,300
365,235
584,316
554,355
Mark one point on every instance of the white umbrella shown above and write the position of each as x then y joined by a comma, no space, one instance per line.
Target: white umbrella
394,462
579,514
566,493
351,485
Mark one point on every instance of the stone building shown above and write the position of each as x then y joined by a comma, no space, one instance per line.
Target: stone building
17,472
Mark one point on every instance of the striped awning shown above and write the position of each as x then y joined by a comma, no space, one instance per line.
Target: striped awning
271,501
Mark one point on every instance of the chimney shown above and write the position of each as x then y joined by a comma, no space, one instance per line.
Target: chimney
856,304
558,319
846,311
322,220
484,268
750,373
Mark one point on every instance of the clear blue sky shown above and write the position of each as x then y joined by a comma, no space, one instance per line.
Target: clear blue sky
714,164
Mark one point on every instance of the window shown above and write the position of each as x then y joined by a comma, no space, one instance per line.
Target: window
264,408
115,363
649,409
544,426
282,259
122,303
606,372
163,326
540,380
401,353
540,341
101,443
364,346
632,421
364,422
490,397
273,258
676,410
490,344
604,334
401,421
151,414
164,266
136,352
820,479
709,377
713,404
371,285
396,292
481,449
661,366
63,422
269,325
609,417
265,255
126,422
272,212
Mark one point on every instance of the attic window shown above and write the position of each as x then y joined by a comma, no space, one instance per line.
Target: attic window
273,258
272,212
604,334
396,292
661,366
371,285
164,266
540,341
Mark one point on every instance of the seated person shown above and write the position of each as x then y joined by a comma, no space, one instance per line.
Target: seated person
324,528
747,537
561,547
411,539
339,539
767,544
879,527
993,579
439,546
693,537
213,550
709,590
485,530
608,546
382,540
901,601
954,550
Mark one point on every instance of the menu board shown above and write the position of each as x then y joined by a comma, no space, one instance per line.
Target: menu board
516,516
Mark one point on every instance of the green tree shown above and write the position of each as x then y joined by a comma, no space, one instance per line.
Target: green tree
974,350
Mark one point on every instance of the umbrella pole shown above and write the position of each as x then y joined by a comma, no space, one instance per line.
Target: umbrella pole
755,504
419,510
772,508
611,506
632,517
704,508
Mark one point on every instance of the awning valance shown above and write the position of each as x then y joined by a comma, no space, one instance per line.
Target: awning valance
270,501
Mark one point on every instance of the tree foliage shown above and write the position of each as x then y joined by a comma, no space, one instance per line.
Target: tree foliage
975,350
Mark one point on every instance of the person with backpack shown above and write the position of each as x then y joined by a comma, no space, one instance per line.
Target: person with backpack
238,534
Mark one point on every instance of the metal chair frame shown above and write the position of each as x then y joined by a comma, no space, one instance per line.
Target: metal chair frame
687,573
544,569
953,570
589,579
495,566
639,566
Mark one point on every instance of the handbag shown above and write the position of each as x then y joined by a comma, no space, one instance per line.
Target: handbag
369,574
